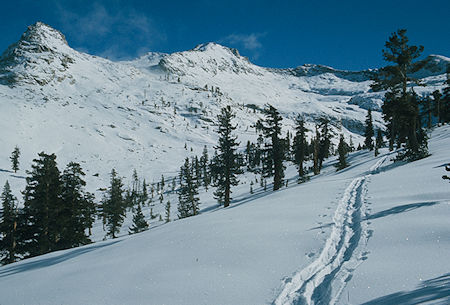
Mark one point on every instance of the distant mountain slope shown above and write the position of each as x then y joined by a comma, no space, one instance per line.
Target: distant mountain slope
141,113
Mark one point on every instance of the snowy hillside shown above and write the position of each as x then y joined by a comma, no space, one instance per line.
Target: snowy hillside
374,233
141,113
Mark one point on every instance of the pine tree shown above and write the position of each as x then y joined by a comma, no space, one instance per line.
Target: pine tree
143,197
369,133
379,141
187,194
351,145
400,108
8,226
139,223
426,104
204,162
114,205
445,103
324,142
274,151
167,218
15,159
316,144
42,206
437,105
78,209
227,162
300,147
342,150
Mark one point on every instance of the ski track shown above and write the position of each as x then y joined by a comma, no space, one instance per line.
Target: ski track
323,281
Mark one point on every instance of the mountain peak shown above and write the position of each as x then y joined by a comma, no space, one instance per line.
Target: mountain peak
40,54
213,46
43,34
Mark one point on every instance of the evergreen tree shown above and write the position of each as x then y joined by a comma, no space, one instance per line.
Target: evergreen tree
197,172
114,205
400,108
204,162
227,162
213,170
167,218
132,195
78,209
379,142
342,150
316,148
437,105
324,142
8,227
15,159
139,223
427,110
248,153
163,183
300,146
445,103
369,133
143,198
351,144
187,194
43,206
274,151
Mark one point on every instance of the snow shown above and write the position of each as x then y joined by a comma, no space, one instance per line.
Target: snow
265,246
373,232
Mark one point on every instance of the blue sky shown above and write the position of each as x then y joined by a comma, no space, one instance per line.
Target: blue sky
342,34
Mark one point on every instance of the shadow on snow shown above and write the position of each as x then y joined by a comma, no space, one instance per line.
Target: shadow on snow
49,261
392,211
436,290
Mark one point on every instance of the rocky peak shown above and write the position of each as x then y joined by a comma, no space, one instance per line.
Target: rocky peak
209,58
42,35
41,55
433,65
309,70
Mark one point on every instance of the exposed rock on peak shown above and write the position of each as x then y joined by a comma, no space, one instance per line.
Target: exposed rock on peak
43,35
41,55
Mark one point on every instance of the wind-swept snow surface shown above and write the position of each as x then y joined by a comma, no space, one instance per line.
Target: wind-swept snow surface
374,232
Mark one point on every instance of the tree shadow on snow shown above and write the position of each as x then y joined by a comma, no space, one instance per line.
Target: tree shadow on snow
436,290
392,211
49,261
401,208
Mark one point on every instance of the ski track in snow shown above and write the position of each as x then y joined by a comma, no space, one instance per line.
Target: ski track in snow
323,281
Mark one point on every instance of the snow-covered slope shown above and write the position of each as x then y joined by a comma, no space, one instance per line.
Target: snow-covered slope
376,231
141,113
329,240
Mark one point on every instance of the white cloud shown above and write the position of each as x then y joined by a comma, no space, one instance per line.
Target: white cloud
249,42
117,30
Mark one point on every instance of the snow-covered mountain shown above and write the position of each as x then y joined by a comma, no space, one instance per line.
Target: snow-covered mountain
375,232
141,113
